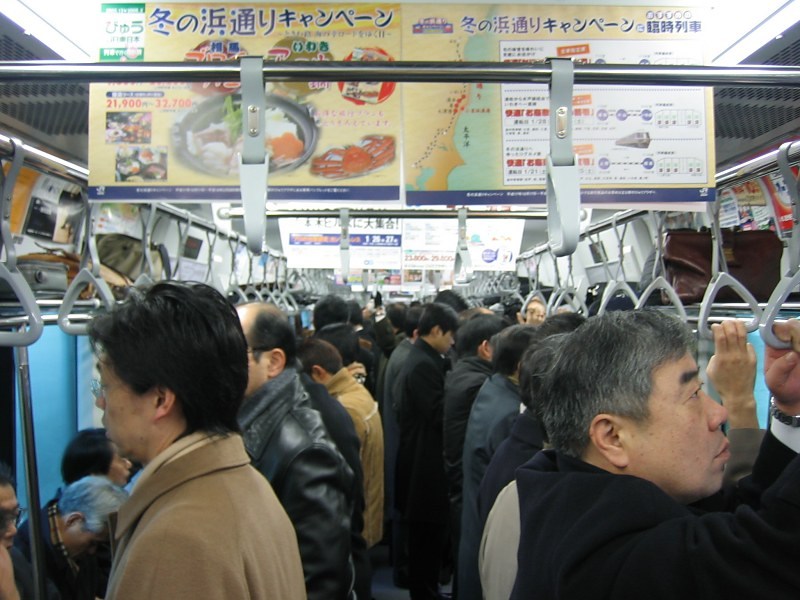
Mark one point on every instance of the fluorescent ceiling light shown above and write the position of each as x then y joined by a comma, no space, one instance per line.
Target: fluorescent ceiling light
766,29
58,25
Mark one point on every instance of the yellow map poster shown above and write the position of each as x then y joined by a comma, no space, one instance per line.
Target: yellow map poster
488,143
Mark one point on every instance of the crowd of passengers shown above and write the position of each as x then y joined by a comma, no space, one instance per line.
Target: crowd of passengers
531,456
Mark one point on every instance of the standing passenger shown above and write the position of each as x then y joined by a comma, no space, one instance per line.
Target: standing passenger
201,521
291,447
421,482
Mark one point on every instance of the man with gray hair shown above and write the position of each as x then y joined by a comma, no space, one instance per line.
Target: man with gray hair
72,526
613,511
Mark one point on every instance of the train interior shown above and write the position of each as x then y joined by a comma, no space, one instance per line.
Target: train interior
45,393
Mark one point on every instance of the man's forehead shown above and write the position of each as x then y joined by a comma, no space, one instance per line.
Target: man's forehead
680,371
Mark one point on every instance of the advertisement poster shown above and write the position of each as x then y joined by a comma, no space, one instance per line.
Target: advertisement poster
55,210
432,244
488,143
182,141
314,243
781,201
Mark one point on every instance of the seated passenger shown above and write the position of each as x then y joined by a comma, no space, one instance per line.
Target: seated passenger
72,527
605,513
201,521
90,452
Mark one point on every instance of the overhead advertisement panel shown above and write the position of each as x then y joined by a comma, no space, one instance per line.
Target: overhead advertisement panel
181,141
488,143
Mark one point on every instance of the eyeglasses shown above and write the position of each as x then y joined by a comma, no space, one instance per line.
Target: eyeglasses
98,389
7,517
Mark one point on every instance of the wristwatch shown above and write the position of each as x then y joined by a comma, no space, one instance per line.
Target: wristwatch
776,413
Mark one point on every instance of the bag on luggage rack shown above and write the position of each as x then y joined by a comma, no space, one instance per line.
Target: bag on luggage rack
46,278
753,259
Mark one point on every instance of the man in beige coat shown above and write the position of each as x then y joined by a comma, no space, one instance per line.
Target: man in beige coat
323,363
201,522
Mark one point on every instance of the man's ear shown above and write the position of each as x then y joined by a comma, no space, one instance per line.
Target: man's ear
166,402
485,350
72,518
607,435
318,373
277,362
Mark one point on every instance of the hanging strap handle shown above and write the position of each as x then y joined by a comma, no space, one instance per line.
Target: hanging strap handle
253,160
183,237
344,243
563,179
233,289
659,282
791,280
463,267
620,284
8,269
721,279
212,243
85,277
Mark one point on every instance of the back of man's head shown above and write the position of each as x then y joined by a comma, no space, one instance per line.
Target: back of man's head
95,497
185,338
396,313
452,299
606,366
330,309
537,358
509,345
88,453
317,352
475,331
437,314
355,316
342,337
271,330
411,323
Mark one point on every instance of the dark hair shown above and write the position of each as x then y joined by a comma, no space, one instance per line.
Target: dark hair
536,359
185,337
434,314
342,337
315,351
452,299
606,366
509,345
411,323
88,453
396,313
270,330
475,331
330,309
354,314
6,478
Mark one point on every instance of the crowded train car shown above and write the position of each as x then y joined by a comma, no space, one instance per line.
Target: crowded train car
384,300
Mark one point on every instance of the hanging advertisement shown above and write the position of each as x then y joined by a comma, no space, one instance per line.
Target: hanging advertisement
182,141
314,243
488,143
431,244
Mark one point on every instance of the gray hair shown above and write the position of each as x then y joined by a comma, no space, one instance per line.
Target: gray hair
95,497
606,366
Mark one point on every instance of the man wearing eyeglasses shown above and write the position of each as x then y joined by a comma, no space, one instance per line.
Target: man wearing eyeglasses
16,573
292,448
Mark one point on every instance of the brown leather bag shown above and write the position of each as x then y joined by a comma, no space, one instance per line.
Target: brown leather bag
753,259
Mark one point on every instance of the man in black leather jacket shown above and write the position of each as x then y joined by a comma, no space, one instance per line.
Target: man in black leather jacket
289,445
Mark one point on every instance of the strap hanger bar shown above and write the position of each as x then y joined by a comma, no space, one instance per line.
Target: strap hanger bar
344,242
463,266
253,160
563,179
401,71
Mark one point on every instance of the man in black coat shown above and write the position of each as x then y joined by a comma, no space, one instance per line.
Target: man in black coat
606,513
461,386
421,491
